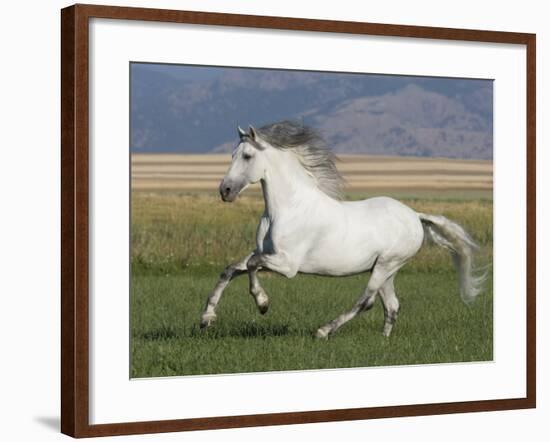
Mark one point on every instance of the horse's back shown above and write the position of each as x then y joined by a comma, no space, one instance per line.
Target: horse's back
383,207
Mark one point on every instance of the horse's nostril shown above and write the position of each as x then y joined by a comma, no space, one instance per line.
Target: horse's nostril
227,189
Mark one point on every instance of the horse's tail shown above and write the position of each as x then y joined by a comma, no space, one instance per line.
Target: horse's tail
448,234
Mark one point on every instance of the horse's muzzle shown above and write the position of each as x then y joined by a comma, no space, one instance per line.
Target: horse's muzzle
228,192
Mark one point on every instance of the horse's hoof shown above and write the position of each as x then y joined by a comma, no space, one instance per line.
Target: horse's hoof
262,301
322,334
207,320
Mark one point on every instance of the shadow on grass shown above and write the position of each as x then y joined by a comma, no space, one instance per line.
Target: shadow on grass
242,330
161,333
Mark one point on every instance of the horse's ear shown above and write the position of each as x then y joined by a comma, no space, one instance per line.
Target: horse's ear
252,133
242,133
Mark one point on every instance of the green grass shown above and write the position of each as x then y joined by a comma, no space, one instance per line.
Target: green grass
180,244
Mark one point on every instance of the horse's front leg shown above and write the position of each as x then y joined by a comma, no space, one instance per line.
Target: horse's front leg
277,262
231,271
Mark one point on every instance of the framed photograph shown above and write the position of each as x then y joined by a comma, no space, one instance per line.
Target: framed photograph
272,220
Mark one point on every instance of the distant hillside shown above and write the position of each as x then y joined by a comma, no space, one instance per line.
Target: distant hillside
185,111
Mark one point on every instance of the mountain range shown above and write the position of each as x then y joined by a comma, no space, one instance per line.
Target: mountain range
191,109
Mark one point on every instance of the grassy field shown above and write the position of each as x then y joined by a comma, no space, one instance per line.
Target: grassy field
181,241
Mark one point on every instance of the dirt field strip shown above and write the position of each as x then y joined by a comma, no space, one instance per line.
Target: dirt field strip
362,172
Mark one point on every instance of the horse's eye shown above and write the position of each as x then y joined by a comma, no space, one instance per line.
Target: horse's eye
247,156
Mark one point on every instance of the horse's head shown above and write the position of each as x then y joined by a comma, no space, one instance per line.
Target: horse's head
248,165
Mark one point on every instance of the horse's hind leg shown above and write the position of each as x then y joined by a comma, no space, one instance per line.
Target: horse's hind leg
380,275
391,305
231,271
364,303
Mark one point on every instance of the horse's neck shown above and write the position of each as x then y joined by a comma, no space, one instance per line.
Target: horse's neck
287,189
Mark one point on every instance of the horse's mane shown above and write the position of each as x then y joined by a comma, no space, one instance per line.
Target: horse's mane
312,151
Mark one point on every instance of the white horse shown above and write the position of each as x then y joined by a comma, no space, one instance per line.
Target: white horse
307,228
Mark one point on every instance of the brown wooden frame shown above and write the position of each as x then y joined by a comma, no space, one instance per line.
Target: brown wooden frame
74,220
